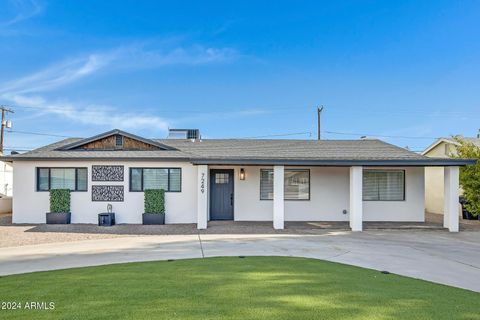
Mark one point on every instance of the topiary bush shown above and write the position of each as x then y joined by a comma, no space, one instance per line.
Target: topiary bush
59,200
154,201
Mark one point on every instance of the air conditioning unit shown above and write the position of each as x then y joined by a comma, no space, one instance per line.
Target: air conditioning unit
183,134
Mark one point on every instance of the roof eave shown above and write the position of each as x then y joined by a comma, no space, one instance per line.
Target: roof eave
33,158
293,162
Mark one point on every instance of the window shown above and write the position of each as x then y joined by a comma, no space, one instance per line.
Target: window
168,179
221,178
266,184
119,141
74,179
296,184
383,185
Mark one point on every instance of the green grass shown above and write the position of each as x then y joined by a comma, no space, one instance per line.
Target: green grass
233,288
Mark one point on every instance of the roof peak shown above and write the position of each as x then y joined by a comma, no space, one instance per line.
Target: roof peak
114,132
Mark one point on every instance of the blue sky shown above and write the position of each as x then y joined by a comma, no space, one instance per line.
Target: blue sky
407,69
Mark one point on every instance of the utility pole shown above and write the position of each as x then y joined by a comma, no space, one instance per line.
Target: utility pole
4,109
319,112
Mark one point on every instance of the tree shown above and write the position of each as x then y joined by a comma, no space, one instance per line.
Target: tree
469,175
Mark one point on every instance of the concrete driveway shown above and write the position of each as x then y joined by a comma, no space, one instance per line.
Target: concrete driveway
437,256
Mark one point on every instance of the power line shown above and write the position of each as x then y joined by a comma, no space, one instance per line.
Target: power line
378,135
15,149
278,135
309,133
39,134
172,110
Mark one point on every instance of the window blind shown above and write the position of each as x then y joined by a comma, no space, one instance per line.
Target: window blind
266,184
168,179
296,184
383,185
75,179
175,179
155,179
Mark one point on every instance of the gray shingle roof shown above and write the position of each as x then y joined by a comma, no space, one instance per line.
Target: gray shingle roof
249,151
292,149
52,152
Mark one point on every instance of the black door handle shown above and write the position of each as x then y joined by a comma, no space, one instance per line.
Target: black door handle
231,199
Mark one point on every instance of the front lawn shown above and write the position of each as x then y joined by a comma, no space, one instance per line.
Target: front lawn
234,288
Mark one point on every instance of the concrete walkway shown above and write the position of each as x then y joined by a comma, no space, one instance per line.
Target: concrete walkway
437,256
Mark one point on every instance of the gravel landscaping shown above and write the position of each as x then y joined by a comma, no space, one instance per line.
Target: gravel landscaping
21,235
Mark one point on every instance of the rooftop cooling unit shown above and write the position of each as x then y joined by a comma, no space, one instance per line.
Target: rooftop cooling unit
183,134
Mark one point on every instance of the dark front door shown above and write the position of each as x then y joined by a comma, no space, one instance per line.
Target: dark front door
221,194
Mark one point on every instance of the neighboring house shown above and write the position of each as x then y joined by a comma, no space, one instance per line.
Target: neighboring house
230,179
6,187
441,148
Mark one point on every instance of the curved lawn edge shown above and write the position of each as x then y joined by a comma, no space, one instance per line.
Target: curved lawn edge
254,287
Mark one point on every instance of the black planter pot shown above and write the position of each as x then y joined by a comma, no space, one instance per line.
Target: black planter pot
58,217
468,216
153,218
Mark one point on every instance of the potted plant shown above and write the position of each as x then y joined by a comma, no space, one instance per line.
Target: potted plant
59,207
154,201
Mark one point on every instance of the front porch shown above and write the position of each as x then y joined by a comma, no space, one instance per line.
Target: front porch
341,191
432,222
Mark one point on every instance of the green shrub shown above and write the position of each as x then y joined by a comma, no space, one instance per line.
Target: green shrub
155,201
60,200
469,175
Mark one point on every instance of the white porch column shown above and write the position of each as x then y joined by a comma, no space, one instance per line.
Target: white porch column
202,197
450,199
278,203
356,205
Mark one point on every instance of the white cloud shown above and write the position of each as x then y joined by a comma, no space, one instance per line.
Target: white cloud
24,10
105,116
58,75
26,91
129,57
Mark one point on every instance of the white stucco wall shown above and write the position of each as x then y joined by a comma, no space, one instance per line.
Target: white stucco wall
329,196
412,209
30,206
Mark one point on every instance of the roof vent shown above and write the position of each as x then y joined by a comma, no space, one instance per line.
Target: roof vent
183,134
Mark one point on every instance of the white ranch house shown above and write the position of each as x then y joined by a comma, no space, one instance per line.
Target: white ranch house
231,179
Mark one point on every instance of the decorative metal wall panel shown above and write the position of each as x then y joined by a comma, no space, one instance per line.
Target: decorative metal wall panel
107,173
107,193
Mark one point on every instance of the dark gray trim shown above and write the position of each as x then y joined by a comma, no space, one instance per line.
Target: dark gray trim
337,163
431,162
11,159
115,132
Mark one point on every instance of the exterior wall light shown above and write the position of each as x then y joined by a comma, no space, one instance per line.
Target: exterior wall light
242,174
